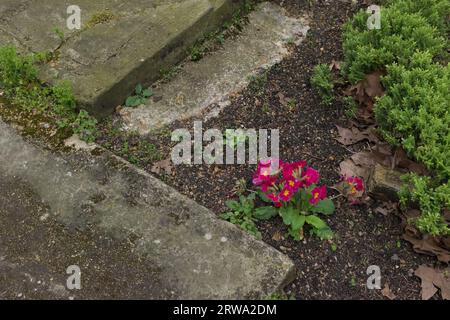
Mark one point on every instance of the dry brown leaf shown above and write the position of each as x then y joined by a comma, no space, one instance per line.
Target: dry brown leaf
365,92
164,165
426,275
349,169
400,159
383,148
387,292
373,86
277,236
364,158
442,281
348,137
353,135
425,244
382,211
335,65
433,279
284,101
383,159
387,208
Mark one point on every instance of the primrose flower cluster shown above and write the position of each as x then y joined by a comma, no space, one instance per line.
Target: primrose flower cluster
352,188
280,181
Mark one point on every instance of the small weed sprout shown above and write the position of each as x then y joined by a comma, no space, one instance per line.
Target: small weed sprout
140,97
21,86
322,81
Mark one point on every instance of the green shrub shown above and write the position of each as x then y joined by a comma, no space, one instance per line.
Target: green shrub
414,112
322,81
15,71
431,200
435,12
400,36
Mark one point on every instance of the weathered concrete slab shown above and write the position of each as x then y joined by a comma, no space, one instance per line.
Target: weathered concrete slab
216,77
105,60
131,235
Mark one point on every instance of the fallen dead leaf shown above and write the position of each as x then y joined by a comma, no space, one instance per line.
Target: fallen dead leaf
164,165
335,65
387,292
365,93
401,160
348,168
426,276
433,279
353,135
277,236
364,158
442,281
284,101
425,244
387,208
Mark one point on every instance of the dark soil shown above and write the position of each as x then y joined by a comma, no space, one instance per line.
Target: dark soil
307,131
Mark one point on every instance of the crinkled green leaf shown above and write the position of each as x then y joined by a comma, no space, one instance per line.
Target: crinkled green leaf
264,213
325,206
316,222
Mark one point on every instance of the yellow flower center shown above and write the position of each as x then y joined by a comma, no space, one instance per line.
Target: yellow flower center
291,183
353,191
286,193
316,195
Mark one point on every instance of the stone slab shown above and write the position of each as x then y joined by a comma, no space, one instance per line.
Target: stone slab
208,84
105,61
131,235
385,183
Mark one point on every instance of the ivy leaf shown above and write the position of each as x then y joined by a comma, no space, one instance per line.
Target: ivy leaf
325,207
264,213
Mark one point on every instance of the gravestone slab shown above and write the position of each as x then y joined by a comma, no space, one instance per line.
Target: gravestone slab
132,235
120,43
